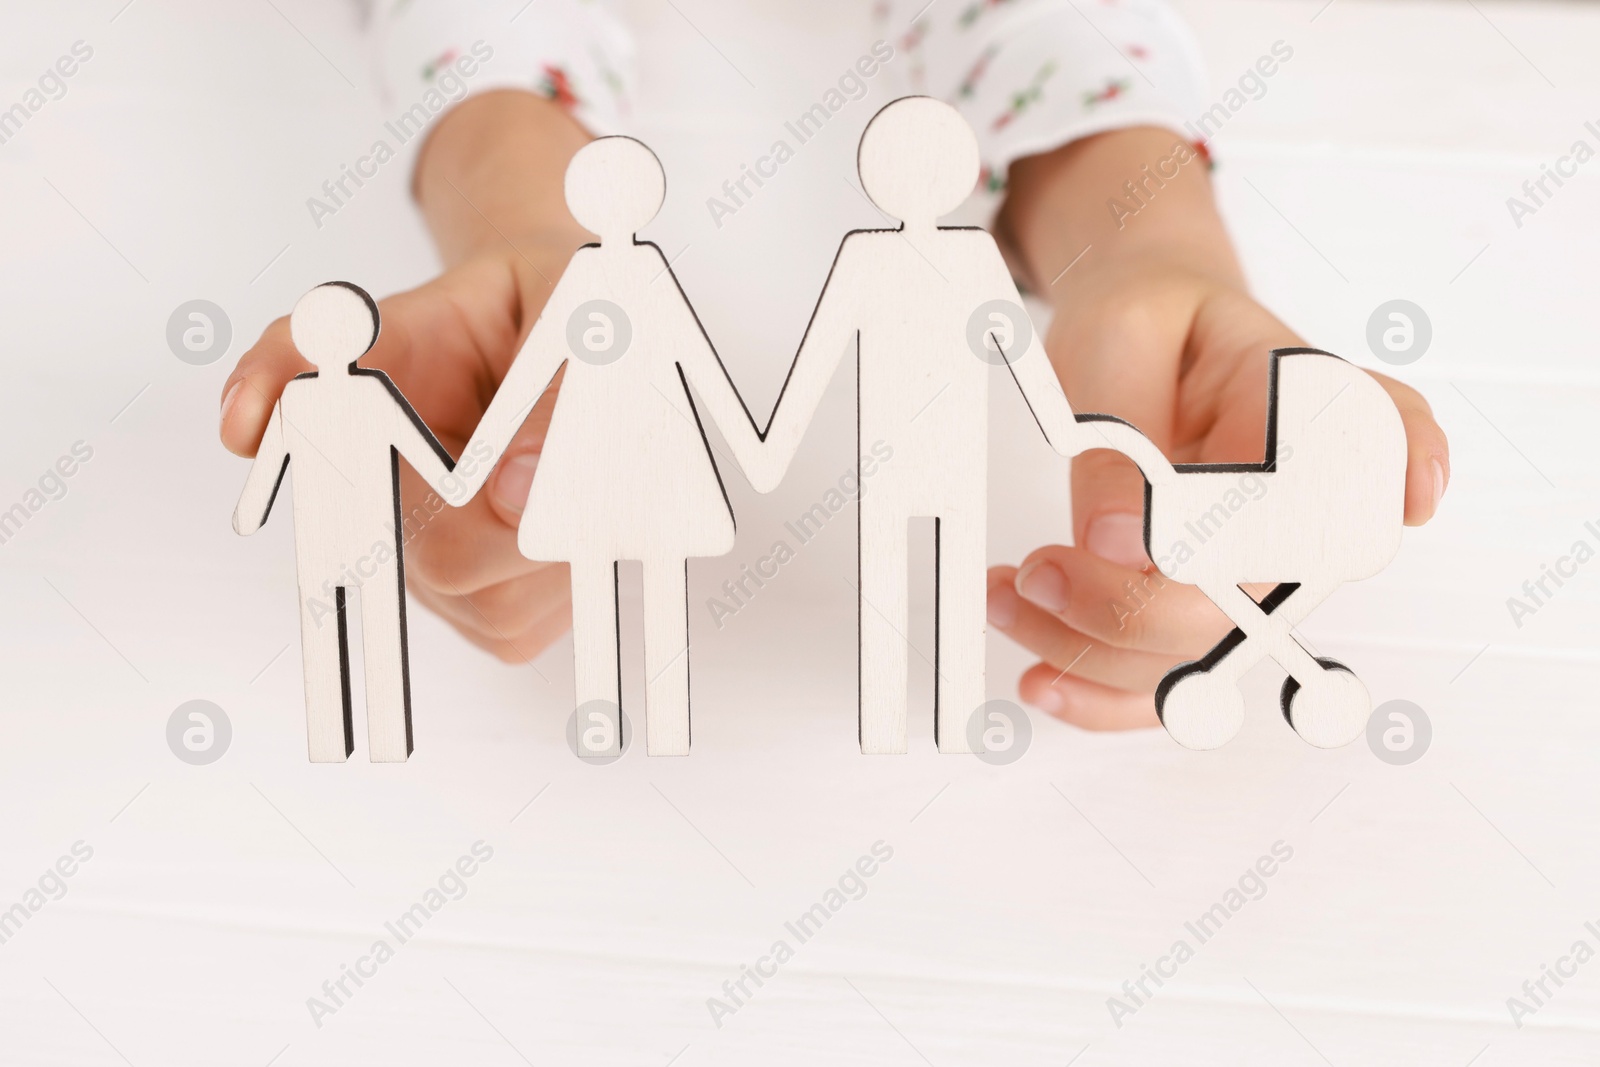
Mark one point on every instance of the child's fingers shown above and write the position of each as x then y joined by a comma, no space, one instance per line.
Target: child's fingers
1066,649
508,611
1120,356
1120,606
518,647
513,607
1108,494
1085,704
445,344
455,550
460,551
255,385
448,342
526,646
1427,452
507,488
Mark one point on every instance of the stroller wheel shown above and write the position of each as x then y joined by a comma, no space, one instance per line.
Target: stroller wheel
1201,710
1331,709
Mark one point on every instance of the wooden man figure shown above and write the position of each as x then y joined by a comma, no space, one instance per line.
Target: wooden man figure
929,310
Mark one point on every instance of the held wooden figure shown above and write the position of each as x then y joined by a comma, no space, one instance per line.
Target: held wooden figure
343,429
626,472
1324,506
929,310
926,308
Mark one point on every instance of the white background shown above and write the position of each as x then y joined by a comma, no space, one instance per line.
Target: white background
1019,898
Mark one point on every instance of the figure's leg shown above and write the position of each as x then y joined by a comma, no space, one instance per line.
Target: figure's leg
959,624
388,668
594,653
666,657
884,617
325,656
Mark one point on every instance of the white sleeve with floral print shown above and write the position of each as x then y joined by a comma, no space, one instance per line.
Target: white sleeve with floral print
1029,75
575,52
1032,75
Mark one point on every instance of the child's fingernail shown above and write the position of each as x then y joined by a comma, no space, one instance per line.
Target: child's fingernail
1439,483
1049,701
1045,585
227,401
1003,605
1119,538
515,478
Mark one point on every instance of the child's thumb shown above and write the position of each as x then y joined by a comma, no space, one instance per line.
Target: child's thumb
1108,501
512,479
254,387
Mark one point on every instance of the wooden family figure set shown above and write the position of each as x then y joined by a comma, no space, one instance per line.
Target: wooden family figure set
627,473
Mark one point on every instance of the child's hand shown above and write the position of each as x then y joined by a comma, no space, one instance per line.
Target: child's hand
1153,326
447,345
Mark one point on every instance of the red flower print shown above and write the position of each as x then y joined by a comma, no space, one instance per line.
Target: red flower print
1025,98
444,59
969,84
557,86
975,10
1115,87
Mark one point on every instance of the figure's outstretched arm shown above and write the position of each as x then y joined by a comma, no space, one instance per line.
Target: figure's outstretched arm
1106,431
266,475
703,368
1030,366
1067,432
833,327
535,366
412,438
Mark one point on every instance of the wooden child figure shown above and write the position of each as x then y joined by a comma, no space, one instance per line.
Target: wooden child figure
344,428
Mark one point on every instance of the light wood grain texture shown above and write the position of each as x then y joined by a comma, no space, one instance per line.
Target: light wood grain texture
1324,506
343,430
928,309
928,312
626,472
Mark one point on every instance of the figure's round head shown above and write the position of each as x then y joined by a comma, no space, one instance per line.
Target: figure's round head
614,187
334,325
918,159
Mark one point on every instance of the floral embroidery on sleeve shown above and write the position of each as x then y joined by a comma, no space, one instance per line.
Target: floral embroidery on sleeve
1025,98
969,84
911,45
556,85
976,10
575,53
1114,88
1095,65
438,63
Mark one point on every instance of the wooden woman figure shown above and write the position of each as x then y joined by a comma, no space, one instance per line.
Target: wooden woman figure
626,472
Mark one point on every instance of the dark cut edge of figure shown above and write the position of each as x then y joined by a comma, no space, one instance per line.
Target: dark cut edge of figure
1221,650
344,670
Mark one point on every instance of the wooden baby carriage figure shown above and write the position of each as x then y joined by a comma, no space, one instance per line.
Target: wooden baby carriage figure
1330,510
929,311
626,472
344,428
